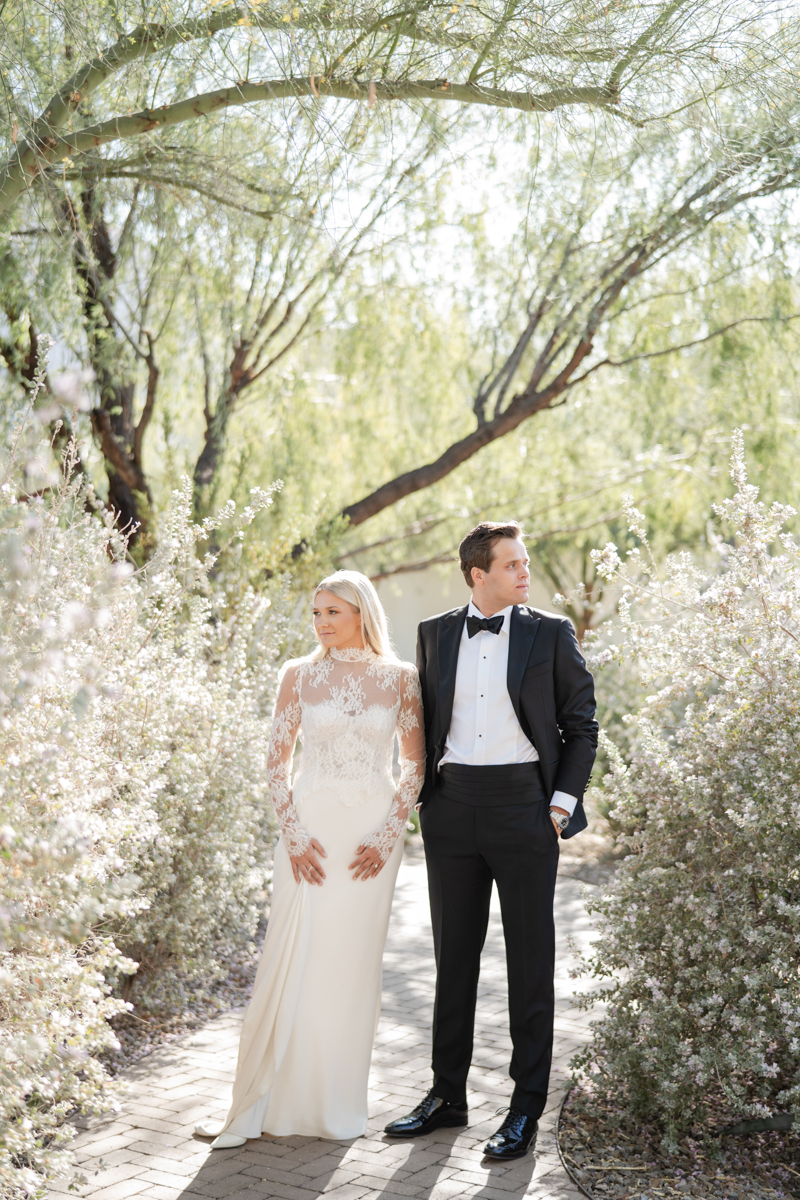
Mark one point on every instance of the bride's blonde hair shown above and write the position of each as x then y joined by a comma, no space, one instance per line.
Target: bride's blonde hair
358,591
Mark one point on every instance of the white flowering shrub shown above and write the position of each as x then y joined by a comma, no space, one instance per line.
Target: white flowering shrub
135,832
700,932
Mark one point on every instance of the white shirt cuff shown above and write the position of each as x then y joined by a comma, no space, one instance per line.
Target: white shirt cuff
562,800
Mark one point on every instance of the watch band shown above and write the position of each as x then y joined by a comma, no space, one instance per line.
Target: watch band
561,819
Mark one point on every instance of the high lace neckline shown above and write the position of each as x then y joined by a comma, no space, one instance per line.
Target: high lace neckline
353,654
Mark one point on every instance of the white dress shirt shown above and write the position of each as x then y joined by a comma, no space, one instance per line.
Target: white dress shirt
484,730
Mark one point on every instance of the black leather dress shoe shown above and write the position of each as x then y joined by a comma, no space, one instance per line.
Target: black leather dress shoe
514,1137
431,1113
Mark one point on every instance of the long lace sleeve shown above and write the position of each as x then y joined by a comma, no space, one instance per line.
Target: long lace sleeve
411,732
285,724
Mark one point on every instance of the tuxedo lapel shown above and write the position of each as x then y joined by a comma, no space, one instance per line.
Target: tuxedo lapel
448,642
524,627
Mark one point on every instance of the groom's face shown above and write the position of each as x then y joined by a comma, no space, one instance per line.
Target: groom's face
508,579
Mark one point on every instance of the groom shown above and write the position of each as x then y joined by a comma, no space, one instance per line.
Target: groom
511,737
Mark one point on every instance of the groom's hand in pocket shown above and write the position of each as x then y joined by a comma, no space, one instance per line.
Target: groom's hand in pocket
368,863
307,866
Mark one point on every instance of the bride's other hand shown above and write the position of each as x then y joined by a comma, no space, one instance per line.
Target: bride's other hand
368,863
307,866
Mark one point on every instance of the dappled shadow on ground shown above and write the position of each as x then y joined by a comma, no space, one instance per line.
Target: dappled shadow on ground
147,1150
448,1163
440,1165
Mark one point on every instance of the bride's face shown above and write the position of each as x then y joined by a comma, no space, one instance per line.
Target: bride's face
336,623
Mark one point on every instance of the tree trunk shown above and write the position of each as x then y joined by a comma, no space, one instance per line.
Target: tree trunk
207,465
118,436
238,375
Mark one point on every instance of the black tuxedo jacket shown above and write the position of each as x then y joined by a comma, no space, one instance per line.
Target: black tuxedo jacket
549,685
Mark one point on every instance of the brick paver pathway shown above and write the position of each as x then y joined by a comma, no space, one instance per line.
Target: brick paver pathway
148,1150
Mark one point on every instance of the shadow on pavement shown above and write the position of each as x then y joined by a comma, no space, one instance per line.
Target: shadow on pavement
298,1168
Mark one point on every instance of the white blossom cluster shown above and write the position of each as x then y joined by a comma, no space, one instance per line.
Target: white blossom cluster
700,932
135,828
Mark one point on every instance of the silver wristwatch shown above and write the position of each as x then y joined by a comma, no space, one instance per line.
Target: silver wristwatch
561,819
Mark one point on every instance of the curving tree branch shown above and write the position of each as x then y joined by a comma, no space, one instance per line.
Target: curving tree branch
384,51
561,365
52,147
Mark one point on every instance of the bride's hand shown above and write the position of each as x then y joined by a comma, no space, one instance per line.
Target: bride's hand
307,866
368,863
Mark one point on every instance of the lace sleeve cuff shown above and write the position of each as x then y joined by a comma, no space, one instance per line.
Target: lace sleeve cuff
384,839
412,763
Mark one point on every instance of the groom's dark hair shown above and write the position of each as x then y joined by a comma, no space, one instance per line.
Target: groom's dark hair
477,548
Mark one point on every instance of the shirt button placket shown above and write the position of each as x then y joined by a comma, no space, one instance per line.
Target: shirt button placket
483,694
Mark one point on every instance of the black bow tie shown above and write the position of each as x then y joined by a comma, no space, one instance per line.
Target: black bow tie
489,624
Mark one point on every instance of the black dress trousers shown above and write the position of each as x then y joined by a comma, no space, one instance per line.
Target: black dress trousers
483,824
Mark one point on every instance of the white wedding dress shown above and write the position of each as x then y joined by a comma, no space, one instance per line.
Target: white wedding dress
307,1036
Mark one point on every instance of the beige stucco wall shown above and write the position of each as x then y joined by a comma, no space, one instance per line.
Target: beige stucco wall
410,597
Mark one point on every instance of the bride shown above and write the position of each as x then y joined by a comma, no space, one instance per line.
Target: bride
307,1036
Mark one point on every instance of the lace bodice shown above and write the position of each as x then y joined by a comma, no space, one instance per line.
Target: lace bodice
349,705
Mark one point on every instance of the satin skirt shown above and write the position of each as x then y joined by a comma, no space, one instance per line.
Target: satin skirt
307,1036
